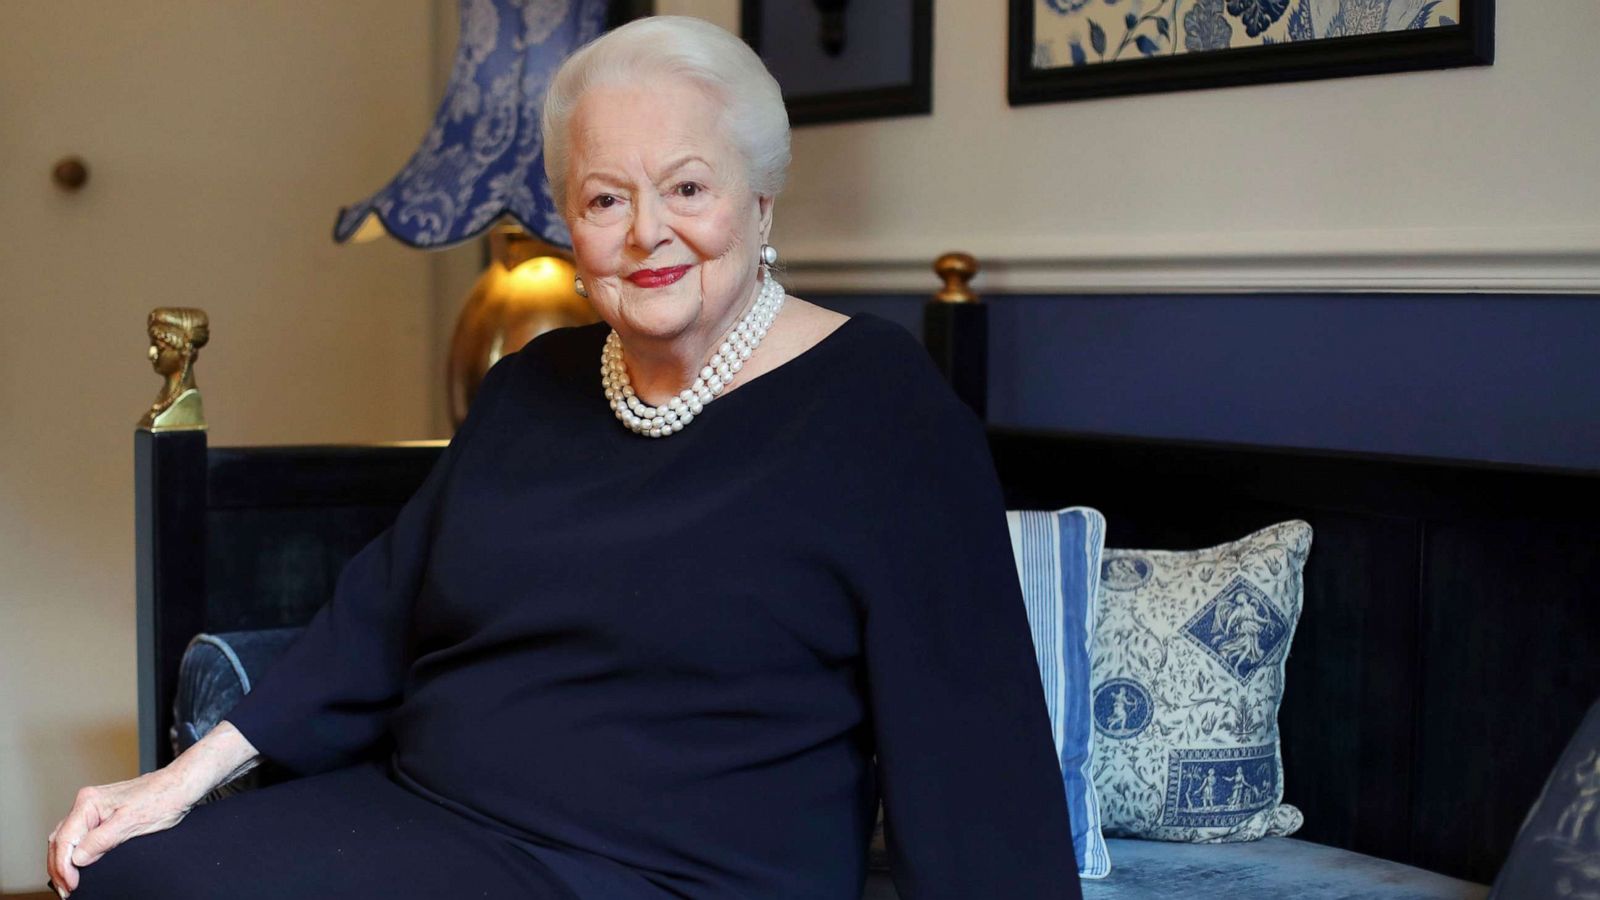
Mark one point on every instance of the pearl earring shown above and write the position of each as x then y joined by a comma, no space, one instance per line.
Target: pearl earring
578,288
769,254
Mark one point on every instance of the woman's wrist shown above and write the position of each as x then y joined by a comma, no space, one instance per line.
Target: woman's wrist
216,759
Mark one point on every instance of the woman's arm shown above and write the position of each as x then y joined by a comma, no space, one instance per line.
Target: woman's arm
326,701
975,805
216,759
105,816
322,704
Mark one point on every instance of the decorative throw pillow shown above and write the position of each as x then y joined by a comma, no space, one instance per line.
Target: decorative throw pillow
1187,675
1556,851
1058,562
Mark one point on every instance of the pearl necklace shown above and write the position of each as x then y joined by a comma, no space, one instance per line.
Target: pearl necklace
671,417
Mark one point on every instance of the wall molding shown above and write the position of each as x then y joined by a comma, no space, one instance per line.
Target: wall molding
1528,260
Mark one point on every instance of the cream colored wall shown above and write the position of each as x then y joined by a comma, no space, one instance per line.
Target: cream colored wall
722,12
222,138
1456,179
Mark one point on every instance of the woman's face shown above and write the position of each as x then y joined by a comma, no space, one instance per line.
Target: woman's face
164,358
666,230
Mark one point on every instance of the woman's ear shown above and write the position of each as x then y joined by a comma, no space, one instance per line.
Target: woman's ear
764,212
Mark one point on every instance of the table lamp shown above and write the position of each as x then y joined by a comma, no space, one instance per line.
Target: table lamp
481,167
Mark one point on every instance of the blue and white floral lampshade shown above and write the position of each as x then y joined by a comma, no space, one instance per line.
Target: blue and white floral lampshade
483,158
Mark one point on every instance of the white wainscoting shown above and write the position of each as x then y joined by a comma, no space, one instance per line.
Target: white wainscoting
1539,260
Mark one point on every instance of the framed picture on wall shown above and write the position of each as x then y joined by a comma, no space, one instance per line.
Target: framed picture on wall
1075,49
839,60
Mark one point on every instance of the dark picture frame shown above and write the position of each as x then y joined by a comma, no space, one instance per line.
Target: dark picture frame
912,97
1468,42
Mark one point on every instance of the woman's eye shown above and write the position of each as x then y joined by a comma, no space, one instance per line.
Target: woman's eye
688,189
603,201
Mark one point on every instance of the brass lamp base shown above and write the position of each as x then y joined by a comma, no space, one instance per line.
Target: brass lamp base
526,291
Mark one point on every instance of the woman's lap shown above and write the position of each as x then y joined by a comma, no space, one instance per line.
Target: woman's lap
350,833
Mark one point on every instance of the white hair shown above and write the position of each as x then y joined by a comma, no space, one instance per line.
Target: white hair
686,47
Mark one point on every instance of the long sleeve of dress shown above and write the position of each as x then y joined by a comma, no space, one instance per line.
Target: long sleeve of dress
326,701
973,796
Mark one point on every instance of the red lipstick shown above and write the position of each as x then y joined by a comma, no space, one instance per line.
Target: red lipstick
654,278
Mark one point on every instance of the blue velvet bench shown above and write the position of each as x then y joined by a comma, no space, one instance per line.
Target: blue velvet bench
218,669
1437,594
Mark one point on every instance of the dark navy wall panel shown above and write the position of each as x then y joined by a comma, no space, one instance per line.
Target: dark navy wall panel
904,310
1493,378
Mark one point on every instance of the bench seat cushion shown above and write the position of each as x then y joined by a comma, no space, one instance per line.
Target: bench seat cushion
217,669
1269,869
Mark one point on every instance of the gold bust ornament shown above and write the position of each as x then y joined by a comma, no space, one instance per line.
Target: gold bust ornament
176,335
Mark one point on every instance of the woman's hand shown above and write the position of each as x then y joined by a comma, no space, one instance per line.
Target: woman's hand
103,816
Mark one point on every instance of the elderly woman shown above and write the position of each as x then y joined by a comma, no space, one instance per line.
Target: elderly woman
676,580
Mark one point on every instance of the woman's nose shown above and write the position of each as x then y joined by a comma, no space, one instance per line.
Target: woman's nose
649,229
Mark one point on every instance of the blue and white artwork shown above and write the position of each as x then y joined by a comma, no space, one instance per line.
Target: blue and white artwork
1219,788
1240,628
1089,32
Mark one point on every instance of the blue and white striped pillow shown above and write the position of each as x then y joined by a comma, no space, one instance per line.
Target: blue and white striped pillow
1058,561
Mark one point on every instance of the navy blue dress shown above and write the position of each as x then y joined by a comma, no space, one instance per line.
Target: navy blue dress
651,668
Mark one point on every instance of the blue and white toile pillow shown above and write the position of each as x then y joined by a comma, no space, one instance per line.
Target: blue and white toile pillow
1058,561
1187,676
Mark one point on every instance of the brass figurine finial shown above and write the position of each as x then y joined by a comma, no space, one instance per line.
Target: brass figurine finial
176,335
957,269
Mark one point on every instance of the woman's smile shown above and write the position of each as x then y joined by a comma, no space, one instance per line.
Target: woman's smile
654,278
